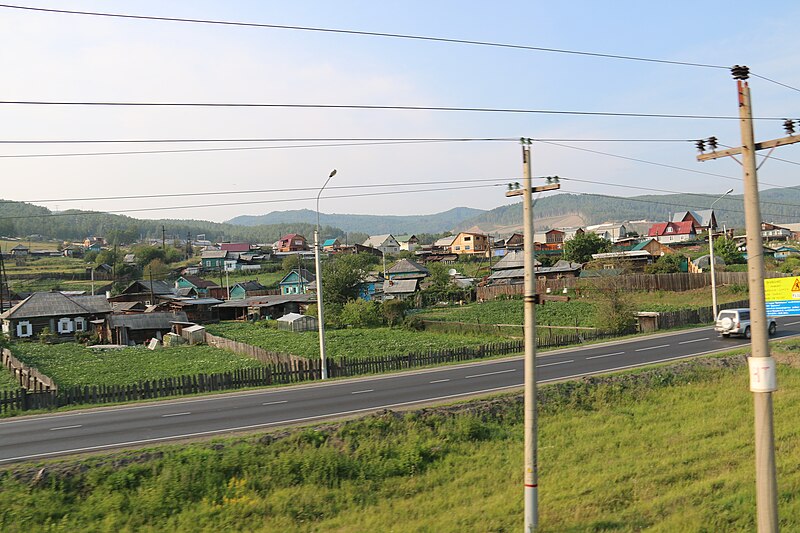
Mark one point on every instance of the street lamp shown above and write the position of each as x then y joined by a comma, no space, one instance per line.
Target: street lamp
320,309
711,255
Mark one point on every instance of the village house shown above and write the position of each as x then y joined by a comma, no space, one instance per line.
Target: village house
331,245
292,242
240,247
145,291
609,231
246,289
202,287
443,245
127,329
408,242
61,315
297,281
371,287
673,232
268,306
20,250
407,269
702,219
400,289
385,243
773,232
213,259
470,243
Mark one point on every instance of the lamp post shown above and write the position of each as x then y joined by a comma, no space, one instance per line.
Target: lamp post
320,308
711,255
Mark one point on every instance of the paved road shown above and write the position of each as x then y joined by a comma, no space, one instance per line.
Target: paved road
39,437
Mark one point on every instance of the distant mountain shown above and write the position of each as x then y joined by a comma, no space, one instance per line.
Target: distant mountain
370,224
780,205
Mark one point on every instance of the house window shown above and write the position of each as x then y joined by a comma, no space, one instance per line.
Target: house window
65,325
24,329
466,247
608,266
80,324
670,230
467,238
458,247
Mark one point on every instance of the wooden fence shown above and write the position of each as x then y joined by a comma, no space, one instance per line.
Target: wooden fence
298,371
703,315
265,356
26,377
678,282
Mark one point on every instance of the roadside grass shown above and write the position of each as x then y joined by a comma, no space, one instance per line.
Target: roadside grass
578,311
72,364
670,451
351,342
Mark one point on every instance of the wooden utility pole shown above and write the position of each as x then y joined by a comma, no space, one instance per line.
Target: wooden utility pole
531,473
763,380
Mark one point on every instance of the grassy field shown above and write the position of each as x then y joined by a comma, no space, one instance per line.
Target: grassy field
581,310
355,342
72,364
658,450
7,382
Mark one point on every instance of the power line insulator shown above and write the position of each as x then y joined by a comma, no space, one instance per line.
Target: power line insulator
788,126
701,145
712,143
740,72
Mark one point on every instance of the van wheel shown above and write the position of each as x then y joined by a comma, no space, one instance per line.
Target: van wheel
747,332
773,327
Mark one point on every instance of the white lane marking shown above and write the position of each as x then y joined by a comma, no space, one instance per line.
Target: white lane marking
275,403
694,340
490,373
256,426
792,324
652,347
559,363
67,427
606,355
362,391
438,381
176,414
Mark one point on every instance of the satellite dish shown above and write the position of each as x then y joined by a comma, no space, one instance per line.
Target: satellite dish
452,272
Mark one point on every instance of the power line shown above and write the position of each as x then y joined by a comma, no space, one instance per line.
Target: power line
369,34
655,163
259,191
324,145
775,82
265,139
373,107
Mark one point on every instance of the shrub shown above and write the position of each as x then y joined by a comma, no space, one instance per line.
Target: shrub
361,314
394,311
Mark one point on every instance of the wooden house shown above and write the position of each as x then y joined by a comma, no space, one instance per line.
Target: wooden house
62,315
297,281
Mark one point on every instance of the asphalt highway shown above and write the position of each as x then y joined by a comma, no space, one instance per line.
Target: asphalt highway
39,437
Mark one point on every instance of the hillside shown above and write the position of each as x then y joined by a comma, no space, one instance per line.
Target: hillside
370,224
19,219
777,205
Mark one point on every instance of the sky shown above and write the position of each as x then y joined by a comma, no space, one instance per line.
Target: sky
65,57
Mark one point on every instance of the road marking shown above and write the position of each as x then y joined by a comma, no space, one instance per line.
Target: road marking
652,347
438,381
792,324
559,363
606,355
362,391
694,340
490,373
67,427
176,414
275,403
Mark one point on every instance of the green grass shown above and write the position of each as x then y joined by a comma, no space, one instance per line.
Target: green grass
72,364
354,342
7,381
664,452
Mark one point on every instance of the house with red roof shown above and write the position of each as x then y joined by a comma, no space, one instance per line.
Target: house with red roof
241,247
669,232
293,242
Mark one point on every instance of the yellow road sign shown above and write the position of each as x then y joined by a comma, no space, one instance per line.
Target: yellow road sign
780,289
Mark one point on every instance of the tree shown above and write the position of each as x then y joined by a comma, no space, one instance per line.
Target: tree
614,311
394,311
581,247
726,249
290,262
340,279
361,314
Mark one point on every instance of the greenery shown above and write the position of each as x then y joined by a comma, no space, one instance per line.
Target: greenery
666,264
511,312
726,249
617,454
351,342
7,381
71,364
361,314
581,247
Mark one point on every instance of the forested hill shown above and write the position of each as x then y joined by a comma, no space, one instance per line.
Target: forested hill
777,205
18,219
370,224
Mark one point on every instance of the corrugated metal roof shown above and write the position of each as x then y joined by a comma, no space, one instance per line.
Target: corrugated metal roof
403,286
146,320
41,304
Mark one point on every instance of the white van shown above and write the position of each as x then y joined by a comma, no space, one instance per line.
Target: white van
737,322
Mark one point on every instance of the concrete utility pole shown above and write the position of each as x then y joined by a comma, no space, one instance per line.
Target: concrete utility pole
763,380
320,308
531,475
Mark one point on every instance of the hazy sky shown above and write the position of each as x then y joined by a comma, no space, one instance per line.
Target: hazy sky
60,57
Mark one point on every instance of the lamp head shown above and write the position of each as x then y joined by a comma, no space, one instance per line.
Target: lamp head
333,173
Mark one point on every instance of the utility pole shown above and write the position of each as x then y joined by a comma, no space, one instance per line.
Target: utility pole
163,238
763,380
531,473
